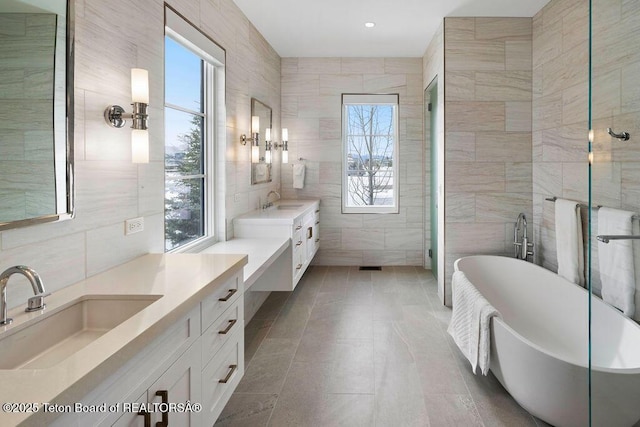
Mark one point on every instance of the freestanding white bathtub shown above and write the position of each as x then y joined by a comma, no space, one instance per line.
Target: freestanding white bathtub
540,351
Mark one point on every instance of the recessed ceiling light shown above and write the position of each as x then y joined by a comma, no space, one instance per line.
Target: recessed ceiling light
369,24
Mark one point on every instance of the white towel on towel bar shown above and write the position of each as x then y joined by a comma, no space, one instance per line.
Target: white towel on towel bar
298,175
569,243
615,258
470,322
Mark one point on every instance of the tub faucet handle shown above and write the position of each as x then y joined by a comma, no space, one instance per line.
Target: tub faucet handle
529,249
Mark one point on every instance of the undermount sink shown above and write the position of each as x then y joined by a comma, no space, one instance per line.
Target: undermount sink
289,207
47,340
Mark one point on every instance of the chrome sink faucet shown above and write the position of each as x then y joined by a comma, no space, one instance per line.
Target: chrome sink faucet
35,303
269,204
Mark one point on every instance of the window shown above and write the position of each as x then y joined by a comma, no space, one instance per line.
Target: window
370,153
192,101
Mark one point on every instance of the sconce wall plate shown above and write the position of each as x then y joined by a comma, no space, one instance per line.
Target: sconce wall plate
116,116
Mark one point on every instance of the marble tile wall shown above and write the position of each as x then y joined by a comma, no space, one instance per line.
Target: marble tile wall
311,100
560,114
111,38
487,159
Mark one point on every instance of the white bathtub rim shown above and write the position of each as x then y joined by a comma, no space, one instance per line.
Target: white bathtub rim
622,371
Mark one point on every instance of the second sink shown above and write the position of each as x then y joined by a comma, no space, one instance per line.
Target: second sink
289,207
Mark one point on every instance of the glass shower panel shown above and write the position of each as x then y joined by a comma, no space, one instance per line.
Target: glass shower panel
614,199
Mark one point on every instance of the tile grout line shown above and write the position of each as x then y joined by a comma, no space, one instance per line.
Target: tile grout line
267,333
275,405
257,349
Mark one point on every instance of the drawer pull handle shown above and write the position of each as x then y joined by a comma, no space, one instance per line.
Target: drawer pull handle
298,227
299,243
299,266
164,394
229,295
228,377
317,240
228,328
147,418
317,222
317,210
309,232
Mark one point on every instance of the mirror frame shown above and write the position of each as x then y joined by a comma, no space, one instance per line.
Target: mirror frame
262,144
64,190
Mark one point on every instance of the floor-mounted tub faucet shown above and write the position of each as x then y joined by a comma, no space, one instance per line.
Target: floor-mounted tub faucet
522,247
35,303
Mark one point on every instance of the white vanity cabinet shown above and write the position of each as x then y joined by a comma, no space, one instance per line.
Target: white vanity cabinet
298,220
199,359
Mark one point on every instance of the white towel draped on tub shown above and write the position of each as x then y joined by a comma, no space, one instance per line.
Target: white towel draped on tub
470,322
615,258
298,175
569,241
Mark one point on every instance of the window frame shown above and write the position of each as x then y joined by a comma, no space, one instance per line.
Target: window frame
370,99
191,38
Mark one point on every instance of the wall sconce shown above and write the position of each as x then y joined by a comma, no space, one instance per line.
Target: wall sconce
115,115
284,145
255,139
267,145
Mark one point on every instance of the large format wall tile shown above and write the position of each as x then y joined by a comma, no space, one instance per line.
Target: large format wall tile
488,126
314,118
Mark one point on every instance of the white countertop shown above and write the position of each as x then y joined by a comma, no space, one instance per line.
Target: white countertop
183,280
262,253
274,215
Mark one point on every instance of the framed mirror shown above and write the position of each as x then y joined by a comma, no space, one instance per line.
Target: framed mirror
261,169
36,112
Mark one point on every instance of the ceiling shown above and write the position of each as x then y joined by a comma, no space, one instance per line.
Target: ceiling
335,28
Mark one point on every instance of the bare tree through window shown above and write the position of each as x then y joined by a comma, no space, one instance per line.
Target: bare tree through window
370,149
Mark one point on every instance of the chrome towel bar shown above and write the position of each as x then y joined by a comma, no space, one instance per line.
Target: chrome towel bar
583,206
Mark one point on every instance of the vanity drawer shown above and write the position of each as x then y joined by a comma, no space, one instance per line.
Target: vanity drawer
297,226
297,240
222,329
221,299
221,376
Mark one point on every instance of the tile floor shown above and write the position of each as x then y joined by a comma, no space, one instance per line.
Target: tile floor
356,348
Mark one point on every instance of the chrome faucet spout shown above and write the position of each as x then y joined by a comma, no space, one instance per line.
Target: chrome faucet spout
36,284
268,203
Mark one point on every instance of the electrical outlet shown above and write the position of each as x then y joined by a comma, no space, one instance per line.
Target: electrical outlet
236,197
134,225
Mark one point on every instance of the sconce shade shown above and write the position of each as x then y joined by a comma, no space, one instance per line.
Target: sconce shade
285,156
285,134
140,146
267,156
255,154
139,85
267,134
255,124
